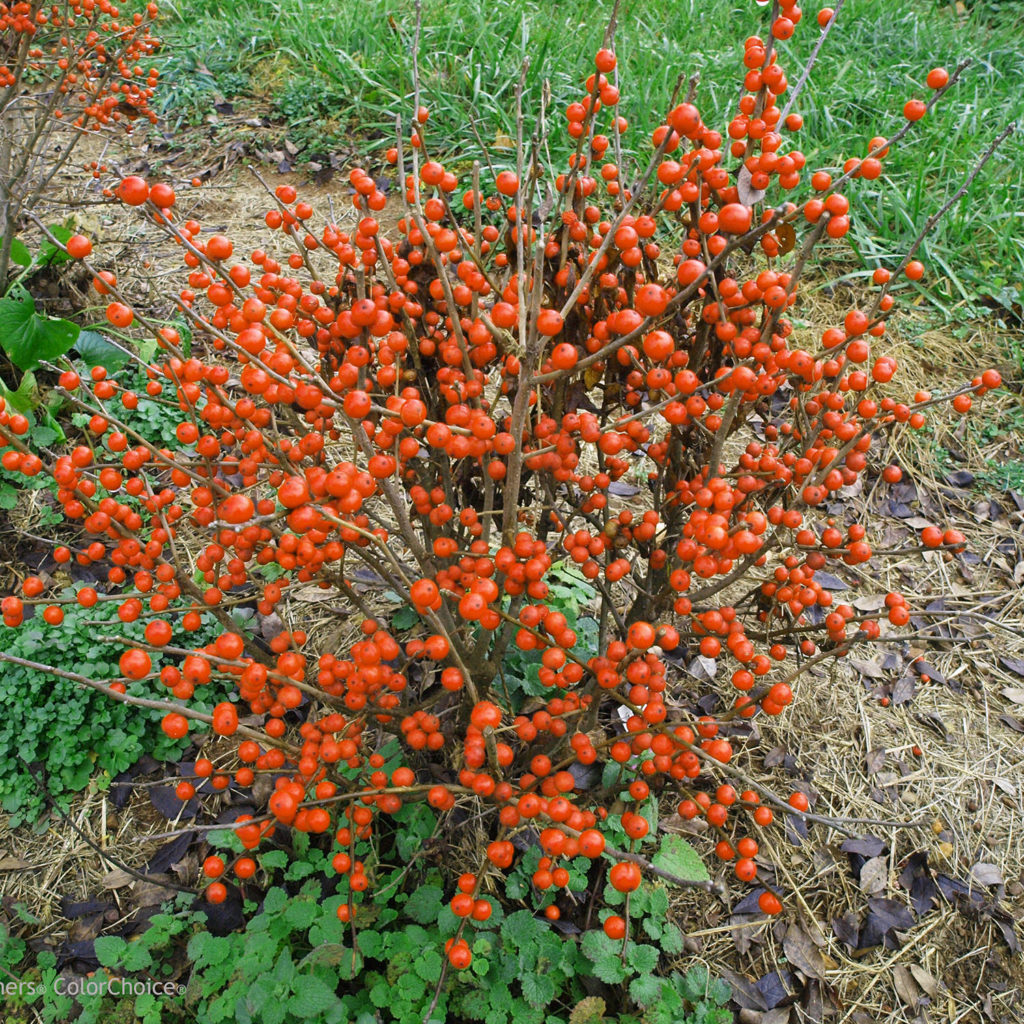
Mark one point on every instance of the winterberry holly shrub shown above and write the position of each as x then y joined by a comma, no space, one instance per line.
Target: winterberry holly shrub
562,416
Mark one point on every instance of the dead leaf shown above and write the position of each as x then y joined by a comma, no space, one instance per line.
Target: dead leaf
786,236
874,875
503,141
149,894
905,986
13,864
925,980
748,195
1013,694
847,928
1005,785
803,954
987,874
871,669
904,690
117,879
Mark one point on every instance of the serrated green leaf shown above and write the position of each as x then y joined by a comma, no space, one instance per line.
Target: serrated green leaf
671,940
109,950
679,858
137,957
609,969
275,900
538,989
521,929
603,954
642,957
646,989
300,914
312,997
274,859
370,943
428,965
380,994
425,904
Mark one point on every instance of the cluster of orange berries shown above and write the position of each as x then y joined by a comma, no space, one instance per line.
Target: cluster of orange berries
78,43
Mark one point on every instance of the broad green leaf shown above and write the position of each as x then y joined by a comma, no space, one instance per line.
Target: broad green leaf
28,337
679,858
671,941
97,350
49,254
603,953
25,399
20,253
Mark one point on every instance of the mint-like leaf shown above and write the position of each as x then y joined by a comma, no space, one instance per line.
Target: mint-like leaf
312,996
679,858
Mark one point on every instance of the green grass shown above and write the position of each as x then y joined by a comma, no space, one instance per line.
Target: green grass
337,70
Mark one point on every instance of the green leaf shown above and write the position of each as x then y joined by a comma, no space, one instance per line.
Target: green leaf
642,958
538,989
521,929
646,989
610,774
404,618
671,940
370,943
49,254
603,953
312,996
428,965
109,950
300,914
97,350
424,904
679,858
275,901
274,859
380,994
25,399
28,337
20,253
136,957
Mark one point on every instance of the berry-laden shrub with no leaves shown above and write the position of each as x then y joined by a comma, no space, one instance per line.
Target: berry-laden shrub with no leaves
585,366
